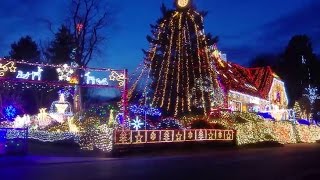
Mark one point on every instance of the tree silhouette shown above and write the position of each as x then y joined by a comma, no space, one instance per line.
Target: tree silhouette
61,47
25,49
289,65
296,72
263,60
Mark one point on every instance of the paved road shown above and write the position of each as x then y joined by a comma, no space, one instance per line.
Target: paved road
289,162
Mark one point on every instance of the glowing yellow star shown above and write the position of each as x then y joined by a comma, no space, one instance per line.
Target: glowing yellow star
210,135
139,138
12,68
178,137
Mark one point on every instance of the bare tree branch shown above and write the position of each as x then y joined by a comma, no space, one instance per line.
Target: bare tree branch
48,23
89,20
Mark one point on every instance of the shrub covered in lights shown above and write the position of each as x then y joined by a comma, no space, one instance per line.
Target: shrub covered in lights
218,126
58,127
169,123
101,112
145,110
201,124
97,138
253,129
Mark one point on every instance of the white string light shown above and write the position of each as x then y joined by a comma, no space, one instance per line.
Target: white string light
93,80
65,72
33,74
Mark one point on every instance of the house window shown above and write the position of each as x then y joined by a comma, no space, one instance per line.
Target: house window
235,106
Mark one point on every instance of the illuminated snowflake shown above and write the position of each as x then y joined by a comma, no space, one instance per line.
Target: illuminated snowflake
10,112
312,94
65,72
136,124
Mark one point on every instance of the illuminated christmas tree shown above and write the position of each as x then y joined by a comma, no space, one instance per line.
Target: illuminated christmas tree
112,121
177,75
297,110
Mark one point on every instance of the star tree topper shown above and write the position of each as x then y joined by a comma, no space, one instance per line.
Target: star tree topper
183,3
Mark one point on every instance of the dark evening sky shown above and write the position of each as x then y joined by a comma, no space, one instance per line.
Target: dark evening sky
246,28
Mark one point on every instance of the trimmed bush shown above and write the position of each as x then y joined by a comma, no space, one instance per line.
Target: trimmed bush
201,124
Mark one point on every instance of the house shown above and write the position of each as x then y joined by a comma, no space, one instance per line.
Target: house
249,89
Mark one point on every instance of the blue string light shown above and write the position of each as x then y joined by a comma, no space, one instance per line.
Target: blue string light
266,115
142,110
303,122
169,123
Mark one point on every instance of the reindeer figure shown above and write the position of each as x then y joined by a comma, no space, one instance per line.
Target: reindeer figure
90,78
37,74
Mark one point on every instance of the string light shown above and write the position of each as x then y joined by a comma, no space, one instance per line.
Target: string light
8,67
116,76
22,122
172,71
45,136
33,74
167,64
169,136
255,129
43,119
101,138
65,72
312,94
61,106
142,110
169,123
94,80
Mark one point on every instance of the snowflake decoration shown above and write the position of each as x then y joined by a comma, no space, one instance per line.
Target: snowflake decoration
312,94
10,112
65,72
137,123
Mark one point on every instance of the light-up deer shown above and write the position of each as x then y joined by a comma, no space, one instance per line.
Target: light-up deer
91,79
37,74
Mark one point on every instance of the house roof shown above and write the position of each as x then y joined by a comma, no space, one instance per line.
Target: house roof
252,81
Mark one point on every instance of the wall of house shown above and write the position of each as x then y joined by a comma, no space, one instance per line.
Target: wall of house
245,103
278,95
